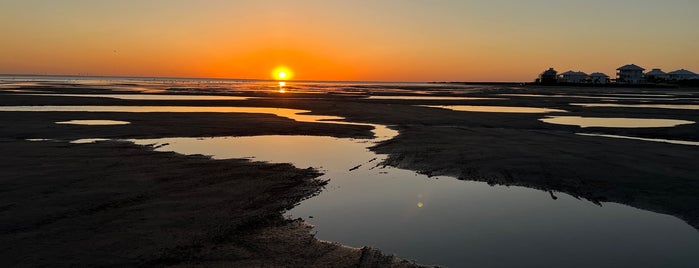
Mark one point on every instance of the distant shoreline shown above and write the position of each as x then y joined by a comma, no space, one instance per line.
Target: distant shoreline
156,78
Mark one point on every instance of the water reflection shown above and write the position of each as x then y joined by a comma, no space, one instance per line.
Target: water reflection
662,106
295,114
282,86
450,222
83,141
602,96
694,143
38,140
428,98
94,122
495,109
613,122
146,96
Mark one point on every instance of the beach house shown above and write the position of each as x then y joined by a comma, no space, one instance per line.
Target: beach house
681,74
655,75
629,74
572,77
599,78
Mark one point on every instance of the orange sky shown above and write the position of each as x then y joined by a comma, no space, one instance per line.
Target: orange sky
401,40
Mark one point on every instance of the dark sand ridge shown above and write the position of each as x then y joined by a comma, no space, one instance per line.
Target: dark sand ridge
511,149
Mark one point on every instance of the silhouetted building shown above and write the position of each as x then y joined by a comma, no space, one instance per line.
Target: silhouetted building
572,77
629,74
655,76
681,74
549,76
599,78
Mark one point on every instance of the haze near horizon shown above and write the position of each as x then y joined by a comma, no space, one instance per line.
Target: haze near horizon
478,40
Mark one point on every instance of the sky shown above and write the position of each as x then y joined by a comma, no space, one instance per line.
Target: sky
364,40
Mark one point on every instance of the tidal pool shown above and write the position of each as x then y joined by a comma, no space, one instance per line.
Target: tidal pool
693,143
495,109
601,96
450,222
427,98
661,106
613,122
81,141
147,96
37,139
298,115
93,122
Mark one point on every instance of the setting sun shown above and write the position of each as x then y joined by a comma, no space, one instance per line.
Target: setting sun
282,73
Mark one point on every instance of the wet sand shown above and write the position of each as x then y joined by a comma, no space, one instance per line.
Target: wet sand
114,203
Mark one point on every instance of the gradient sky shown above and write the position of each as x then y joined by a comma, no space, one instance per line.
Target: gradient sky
370,40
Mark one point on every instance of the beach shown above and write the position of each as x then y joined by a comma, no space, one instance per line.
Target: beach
115,203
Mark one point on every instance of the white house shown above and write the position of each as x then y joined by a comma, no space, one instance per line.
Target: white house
655,75
572,77
599,78
681,74
629,74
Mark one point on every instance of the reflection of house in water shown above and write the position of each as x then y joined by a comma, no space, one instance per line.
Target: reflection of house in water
549,76
681,74
572,77
599,78
655,75
629,74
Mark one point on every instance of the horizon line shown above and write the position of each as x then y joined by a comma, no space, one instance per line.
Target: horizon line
258,80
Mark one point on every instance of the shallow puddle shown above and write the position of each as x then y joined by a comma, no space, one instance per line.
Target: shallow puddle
449,222
94,122
427,98
613,122
82,141
693,143
661,106
298,115
146,96
495,109
38,140
601,96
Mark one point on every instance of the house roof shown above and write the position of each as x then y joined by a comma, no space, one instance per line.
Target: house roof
574,73
630,67
681,72
550,71
656,72
598,75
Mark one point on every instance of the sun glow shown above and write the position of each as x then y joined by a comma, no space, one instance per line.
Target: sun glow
282,73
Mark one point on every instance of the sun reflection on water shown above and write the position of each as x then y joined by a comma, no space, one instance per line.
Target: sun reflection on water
282,84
